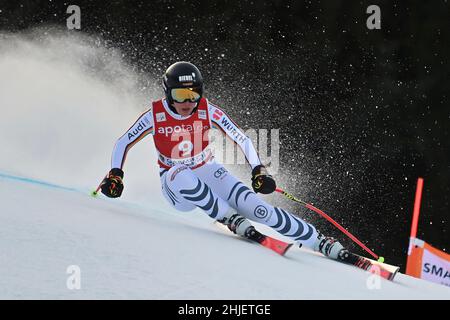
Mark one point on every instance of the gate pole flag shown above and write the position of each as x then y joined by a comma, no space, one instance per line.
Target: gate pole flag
424,261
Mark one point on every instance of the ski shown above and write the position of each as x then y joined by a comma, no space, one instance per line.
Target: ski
268,242
384,270
276,245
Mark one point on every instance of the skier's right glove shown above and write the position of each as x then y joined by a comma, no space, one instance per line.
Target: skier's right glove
112,185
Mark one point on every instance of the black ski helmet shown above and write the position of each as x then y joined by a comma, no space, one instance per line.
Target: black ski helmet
182,75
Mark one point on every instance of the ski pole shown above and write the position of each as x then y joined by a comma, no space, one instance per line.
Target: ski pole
95,192
337,225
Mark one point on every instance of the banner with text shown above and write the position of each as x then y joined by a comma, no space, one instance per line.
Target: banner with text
428,263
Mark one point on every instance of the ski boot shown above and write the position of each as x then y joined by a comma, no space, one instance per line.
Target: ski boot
241,226
328,246
333,249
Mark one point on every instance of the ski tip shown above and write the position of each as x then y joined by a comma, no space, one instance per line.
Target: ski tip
392,275
286,249
276,245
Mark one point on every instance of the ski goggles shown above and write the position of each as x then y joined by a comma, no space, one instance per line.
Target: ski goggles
181,95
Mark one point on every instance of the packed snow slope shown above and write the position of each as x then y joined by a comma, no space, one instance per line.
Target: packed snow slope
65,100
130,251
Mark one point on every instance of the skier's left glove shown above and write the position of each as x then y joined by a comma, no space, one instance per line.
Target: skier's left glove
261,180
112,185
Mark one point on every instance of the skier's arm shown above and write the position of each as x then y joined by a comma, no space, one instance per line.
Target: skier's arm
220,120
261,180
142,127
112,185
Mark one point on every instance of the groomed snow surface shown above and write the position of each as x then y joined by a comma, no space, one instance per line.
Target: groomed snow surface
129,251
66,100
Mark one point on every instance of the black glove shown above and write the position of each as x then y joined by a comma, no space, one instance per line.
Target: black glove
261,181
112,185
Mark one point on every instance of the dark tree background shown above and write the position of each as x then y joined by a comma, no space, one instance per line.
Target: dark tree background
362,113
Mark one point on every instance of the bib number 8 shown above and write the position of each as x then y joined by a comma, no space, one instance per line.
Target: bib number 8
186,148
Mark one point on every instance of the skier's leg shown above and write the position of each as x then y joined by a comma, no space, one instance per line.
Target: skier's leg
185,191
251,206
172,198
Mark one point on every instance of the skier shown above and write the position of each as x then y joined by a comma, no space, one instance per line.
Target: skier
191,177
